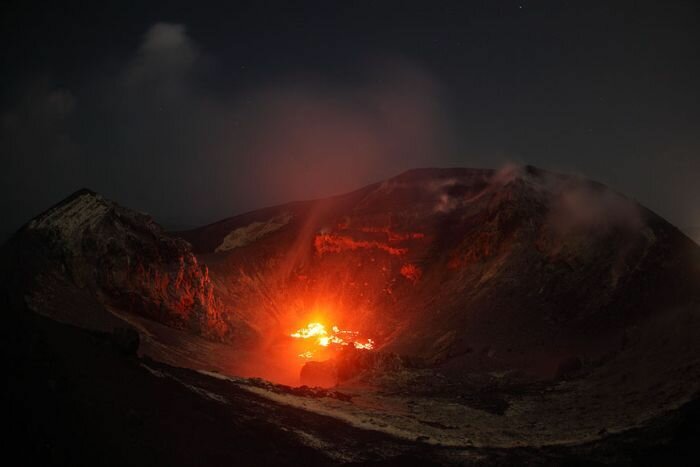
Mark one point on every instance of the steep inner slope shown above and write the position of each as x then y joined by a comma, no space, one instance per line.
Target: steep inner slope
472,269
463,269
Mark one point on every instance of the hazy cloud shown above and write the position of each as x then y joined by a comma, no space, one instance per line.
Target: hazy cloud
164,59
154,135
591,209
313,139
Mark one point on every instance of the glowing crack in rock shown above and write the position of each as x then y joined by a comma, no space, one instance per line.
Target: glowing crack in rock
394,236
331,243
319,335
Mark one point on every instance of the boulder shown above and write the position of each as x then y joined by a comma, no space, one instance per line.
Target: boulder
321,374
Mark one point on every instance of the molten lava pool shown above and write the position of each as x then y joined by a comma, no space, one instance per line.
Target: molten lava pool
318,342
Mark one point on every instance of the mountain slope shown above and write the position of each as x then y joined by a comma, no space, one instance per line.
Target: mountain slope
467,269
90,252
517,316
517,268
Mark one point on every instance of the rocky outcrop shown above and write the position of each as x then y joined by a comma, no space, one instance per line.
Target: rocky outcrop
124,260
319,374
352,364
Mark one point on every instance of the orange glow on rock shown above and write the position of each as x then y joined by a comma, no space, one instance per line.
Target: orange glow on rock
411,272
392,236
332,243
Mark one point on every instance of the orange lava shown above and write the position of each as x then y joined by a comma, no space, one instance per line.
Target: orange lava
318,336
332,243
394,236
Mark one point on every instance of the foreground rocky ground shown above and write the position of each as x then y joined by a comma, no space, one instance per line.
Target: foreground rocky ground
76,397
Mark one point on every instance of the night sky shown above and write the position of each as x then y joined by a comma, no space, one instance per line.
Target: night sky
195,112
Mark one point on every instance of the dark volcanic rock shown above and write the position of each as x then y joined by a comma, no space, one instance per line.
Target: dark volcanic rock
349,364
126,339
352,363
119,258
322,374
568,367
